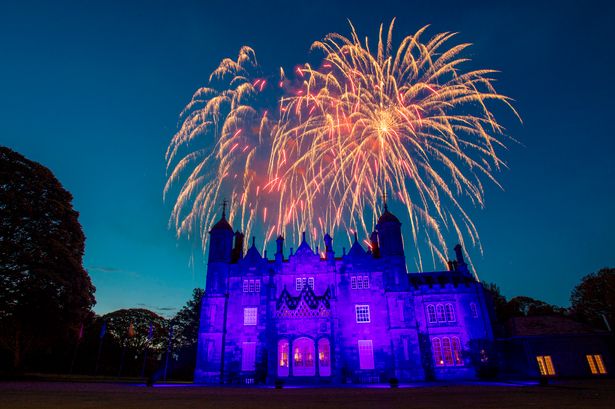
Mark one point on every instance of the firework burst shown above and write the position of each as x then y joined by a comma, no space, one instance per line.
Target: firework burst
409,121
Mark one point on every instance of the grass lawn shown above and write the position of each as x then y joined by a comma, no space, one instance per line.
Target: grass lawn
569,394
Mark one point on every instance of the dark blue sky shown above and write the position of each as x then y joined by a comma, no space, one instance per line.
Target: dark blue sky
92,89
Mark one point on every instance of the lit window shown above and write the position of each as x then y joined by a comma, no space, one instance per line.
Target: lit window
366,354
324,357
362,312
450,313
248,356
437,351
440,311
249,315
283,357
447,351
311,282
365,281
457,351
257,286
545,365
245,286
473,310
353,283
596,364
431,314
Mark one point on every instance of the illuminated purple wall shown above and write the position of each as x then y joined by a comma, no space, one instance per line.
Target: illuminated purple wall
358,318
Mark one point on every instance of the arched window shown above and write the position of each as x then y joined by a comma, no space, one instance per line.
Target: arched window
440,310
437,351
431,314
450,313
324,357
447,351
457,351
283,357
303,357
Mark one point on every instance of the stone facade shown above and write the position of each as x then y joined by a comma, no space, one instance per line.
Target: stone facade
318,318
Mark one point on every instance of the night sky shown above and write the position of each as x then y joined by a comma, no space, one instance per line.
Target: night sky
93,89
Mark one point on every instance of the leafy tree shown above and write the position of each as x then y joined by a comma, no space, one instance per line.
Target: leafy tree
131,328
45,293
498,301
594,297
522,306
186,321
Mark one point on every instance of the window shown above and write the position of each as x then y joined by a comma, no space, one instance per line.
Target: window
447,351
596,364
366,354
545,365
457,351
436,346
362,312
440,311
450,313
301,282
283,357
249,315
303,357
251,286
473,310
324,357
248,356
359,282
431,314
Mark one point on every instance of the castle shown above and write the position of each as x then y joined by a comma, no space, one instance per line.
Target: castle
317,318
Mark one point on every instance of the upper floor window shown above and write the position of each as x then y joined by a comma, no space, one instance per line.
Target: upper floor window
545,365
251,286
250,315
450,313
359,282
473,310
441,313
301,282
362,313
596,364
431,314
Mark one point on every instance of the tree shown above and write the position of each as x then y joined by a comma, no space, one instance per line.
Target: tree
522,306
130,328
186,321
185,335
45,293
594,298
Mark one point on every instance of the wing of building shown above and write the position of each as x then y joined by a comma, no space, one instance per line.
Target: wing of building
305,317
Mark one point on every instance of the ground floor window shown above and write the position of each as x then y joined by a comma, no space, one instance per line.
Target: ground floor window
283,357
447,351
545,365
324,357
303,357
248,356
366,354
596,364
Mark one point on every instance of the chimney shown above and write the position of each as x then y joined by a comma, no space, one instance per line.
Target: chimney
279,253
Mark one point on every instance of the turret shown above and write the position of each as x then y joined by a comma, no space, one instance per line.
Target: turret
329,247
279,253
237,253
220,249
374,247
460,262
389,234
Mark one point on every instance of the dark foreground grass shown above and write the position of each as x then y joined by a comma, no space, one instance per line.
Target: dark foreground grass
572,394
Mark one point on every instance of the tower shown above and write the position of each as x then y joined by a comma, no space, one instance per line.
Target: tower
220,250
389,234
